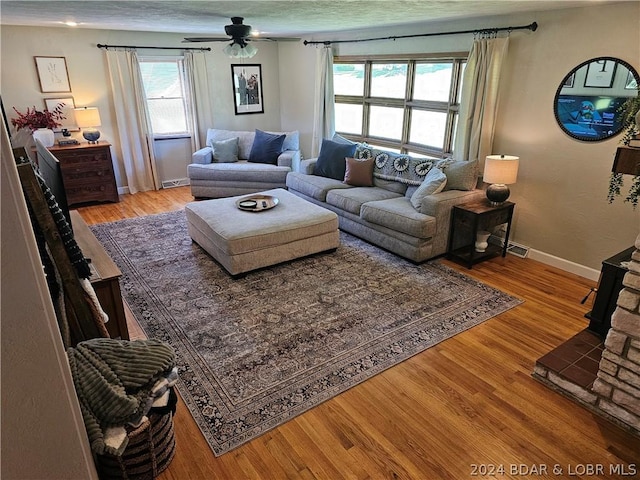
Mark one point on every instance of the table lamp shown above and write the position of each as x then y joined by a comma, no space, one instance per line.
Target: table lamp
88,118
499,171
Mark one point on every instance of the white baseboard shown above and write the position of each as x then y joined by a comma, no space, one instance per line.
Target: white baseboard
123,190
565,265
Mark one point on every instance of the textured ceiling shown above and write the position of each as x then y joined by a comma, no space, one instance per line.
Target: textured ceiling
269,17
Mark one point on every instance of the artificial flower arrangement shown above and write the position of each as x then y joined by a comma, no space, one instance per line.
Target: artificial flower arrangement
34,119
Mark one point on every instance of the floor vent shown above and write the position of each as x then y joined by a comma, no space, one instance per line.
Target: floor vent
518,250
178,182
513,248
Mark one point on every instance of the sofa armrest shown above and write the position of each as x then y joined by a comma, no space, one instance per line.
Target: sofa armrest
291,159
440,206
203,156
307,165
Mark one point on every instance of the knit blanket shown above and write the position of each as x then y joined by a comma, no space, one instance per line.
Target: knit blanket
117,382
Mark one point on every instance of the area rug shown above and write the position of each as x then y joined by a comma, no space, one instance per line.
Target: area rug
256,351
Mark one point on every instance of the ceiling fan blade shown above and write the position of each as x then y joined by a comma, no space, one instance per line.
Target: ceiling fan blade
272,39
206,39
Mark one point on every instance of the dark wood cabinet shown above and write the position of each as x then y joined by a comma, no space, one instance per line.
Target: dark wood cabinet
609,287
87,172
470,218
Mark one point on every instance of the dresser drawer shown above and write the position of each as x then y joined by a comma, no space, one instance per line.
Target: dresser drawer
87,173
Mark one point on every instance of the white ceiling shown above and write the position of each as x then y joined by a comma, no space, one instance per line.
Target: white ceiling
270,17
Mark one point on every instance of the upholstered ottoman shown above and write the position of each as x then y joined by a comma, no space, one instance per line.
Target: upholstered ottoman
242,240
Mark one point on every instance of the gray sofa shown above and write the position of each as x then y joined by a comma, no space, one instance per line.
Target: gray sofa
383,214
211,177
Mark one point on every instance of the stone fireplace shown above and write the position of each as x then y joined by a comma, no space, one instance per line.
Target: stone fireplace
604,377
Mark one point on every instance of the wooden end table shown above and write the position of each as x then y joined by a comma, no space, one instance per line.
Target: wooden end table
470,218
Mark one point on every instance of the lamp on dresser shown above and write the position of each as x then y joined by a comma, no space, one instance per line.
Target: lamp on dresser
500,171
88,118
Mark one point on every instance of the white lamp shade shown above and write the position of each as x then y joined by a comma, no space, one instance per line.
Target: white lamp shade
87,117
501,169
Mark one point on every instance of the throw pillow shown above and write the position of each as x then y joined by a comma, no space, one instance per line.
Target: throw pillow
359,173
434,182
266,148
461,175
225,151
331,162
340,139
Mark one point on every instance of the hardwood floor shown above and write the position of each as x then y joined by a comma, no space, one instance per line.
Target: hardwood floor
461,409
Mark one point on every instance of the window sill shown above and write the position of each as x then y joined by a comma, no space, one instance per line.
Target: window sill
173,136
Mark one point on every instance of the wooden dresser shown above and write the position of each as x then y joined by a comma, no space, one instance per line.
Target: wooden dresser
87,172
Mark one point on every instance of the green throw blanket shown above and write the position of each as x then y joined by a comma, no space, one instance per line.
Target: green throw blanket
114,381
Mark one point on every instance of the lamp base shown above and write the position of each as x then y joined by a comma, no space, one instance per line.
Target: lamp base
497,193
91,135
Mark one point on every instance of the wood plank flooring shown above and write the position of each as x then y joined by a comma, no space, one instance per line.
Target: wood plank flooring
465,408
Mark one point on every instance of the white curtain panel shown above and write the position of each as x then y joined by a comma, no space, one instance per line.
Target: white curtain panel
198,87
132,117
324,125
479,104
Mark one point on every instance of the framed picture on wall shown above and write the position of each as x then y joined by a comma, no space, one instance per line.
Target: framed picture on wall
53,75
68,112
568,83
247,88
600,73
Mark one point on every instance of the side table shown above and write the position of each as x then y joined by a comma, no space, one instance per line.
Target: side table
467,219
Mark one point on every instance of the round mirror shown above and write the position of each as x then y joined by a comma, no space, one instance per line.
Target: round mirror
588,102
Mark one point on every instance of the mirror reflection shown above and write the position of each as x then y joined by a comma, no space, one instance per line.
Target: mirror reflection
589,102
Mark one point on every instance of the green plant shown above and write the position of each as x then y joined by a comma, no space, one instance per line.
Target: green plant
629,111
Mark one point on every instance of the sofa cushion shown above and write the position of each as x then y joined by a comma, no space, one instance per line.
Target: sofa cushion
461,175
398,214
245,140
390,185
352,199
266,148
313,186
395,166
434,182
359,173
225,151
291,140
331,161
238,172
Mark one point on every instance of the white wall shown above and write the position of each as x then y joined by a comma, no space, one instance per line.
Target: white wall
43,434
561,210
90,83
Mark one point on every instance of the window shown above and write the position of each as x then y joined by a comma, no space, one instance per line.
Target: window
163,81
409,106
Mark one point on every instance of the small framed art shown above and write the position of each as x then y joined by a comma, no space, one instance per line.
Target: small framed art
600,74
247,88
69,122
53,75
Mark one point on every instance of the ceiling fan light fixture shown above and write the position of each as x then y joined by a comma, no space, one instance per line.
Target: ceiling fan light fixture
239,49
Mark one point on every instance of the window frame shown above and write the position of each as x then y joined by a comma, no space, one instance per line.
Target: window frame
408,104
179,60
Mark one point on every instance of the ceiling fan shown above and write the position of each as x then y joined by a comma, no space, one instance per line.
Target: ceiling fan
239,34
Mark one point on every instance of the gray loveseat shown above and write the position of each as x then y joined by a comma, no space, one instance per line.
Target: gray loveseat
214,176
383,214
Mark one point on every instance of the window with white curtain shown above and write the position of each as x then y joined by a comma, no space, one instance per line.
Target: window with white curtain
407,105
167,100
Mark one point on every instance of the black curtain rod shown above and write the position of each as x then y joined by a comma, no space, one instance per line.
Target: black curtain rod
202,49
533,27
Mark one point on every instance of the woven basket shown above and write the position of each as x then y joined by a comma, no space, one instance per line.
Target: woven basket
150,450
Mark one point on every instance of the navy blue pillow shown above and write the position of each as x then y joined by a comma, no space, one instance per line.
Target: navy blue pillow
266,147
332,162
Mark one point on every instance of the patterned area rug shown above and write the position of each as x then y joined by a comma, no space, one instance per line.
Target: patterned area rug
256,351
